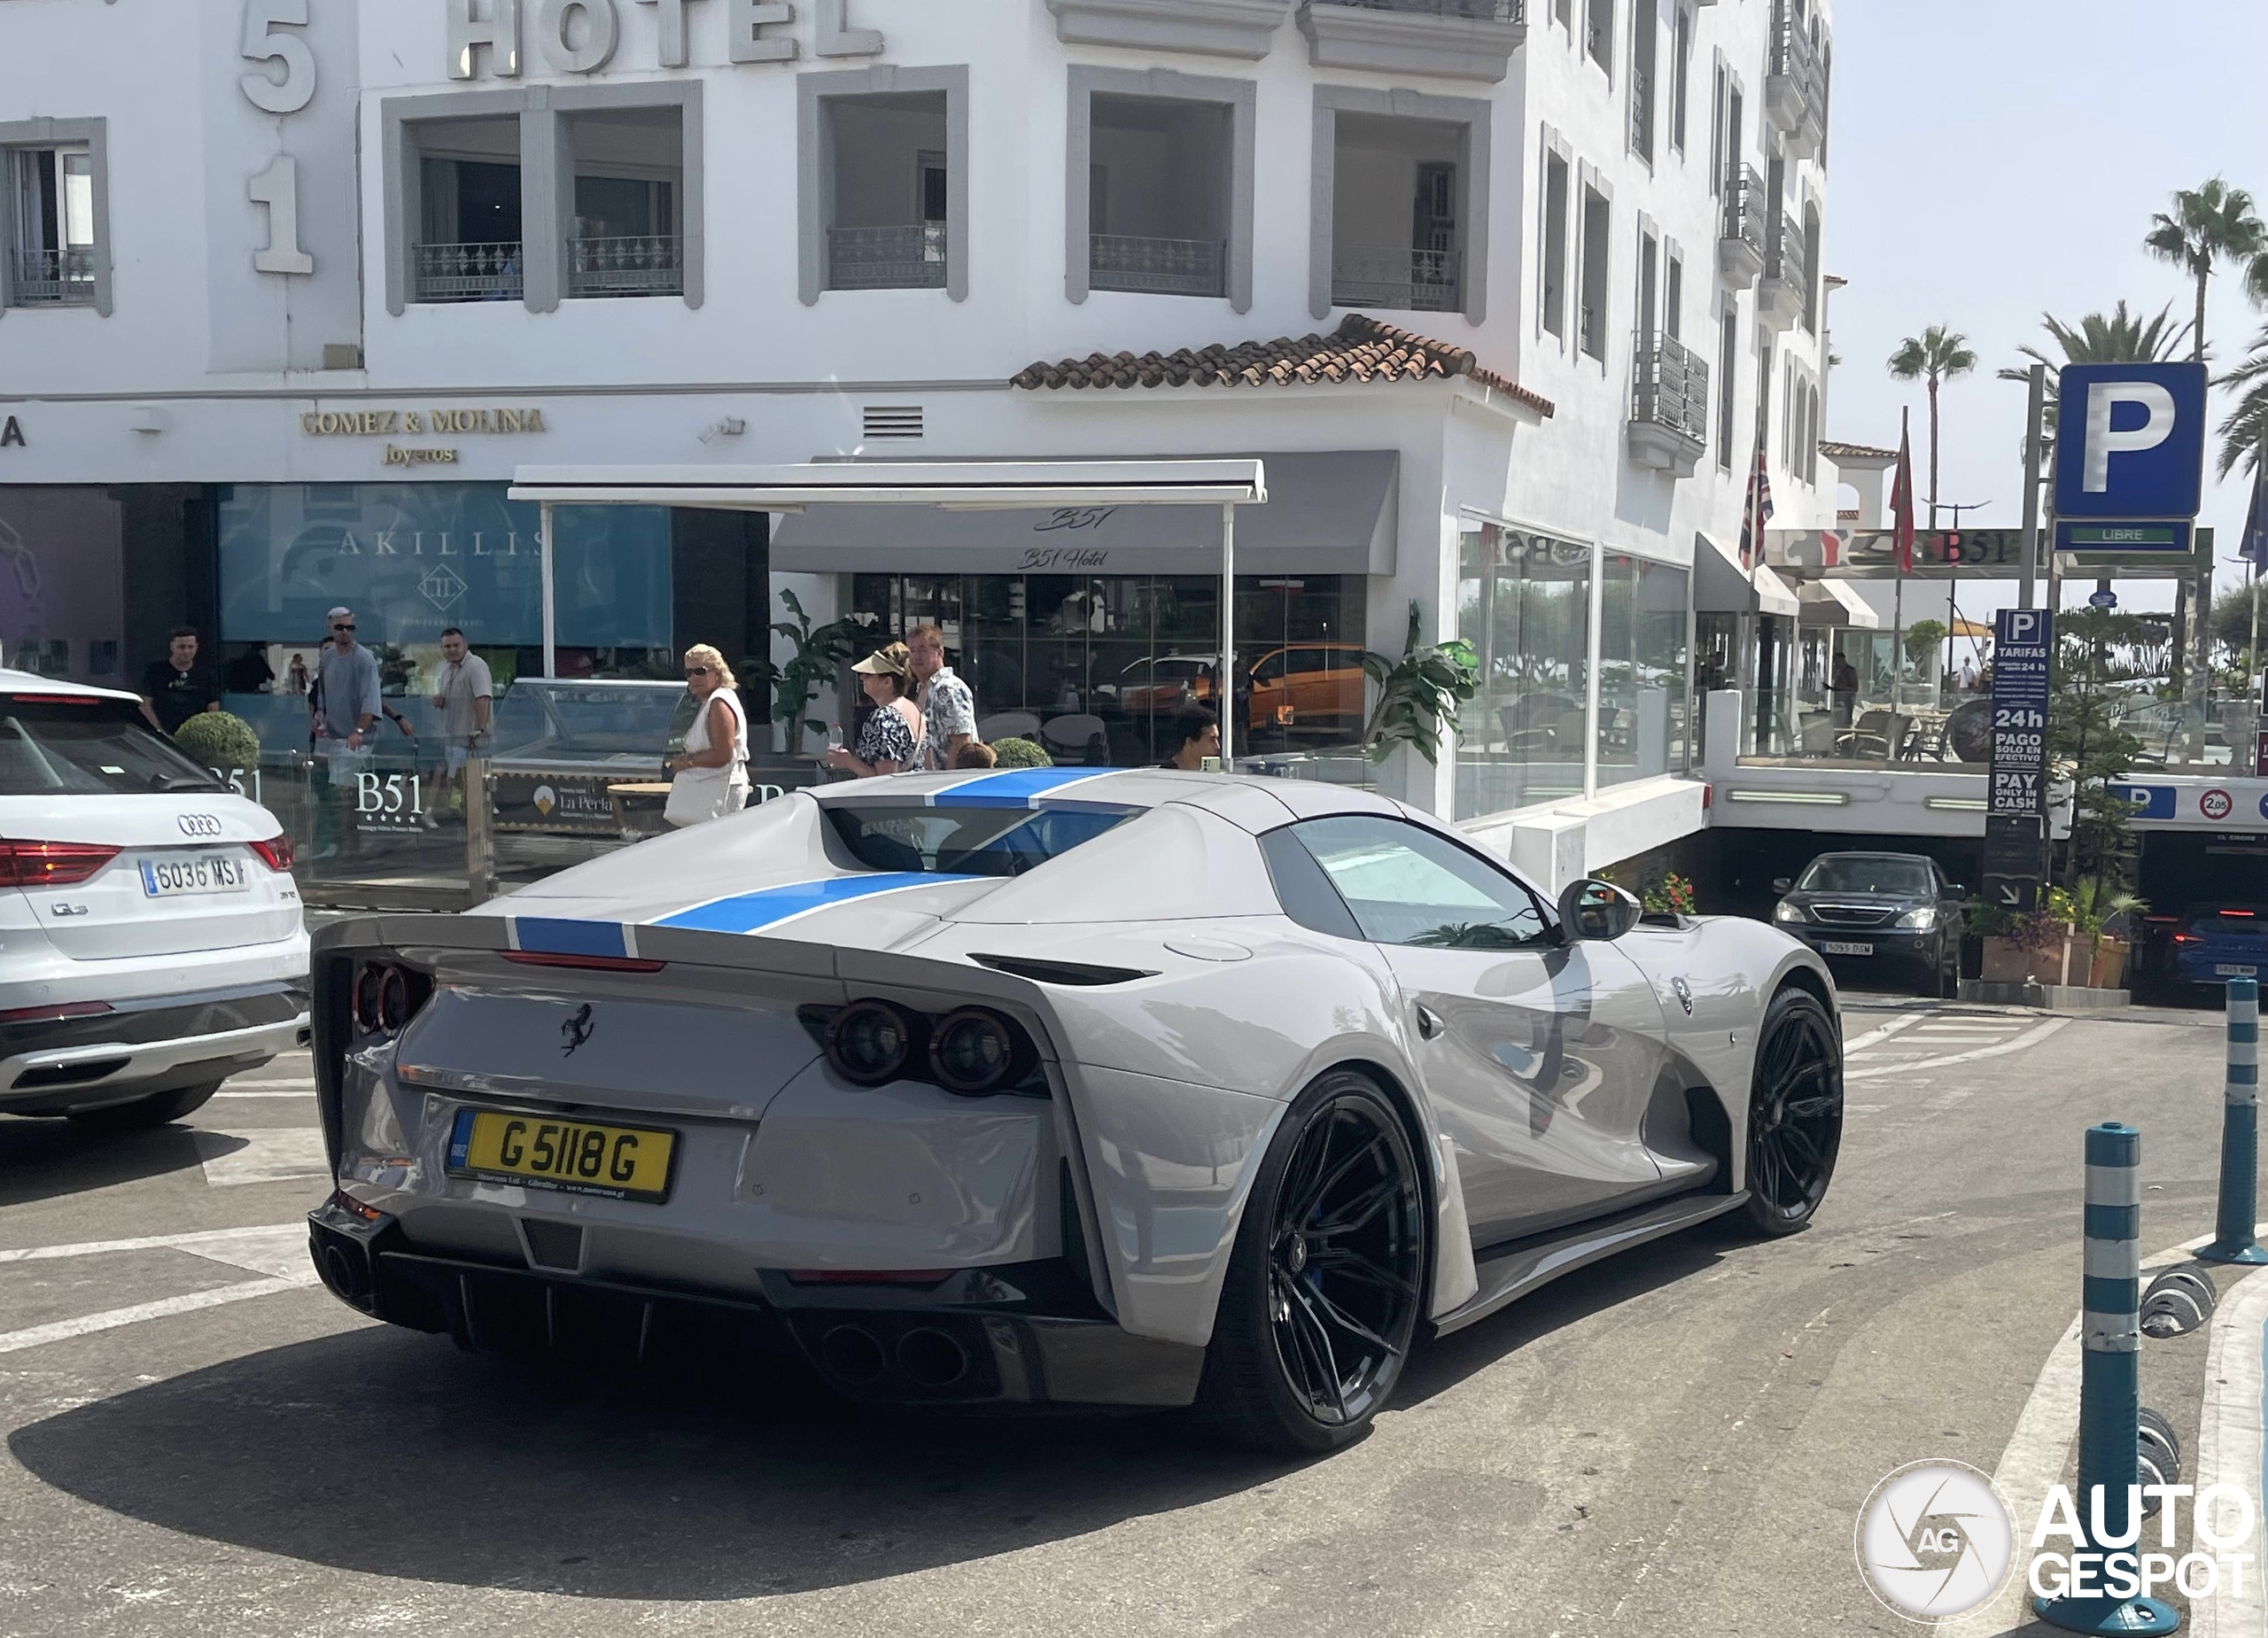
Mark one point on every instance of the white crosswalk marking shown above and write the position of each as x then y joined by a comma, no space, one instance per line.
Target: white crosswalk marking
235,1158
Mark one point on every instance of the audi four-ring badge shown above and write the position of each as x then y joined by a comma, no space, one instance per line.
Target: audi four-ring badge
1060,1086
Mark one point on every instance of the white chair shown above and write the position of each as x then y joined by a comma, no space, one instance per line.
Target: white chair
1076,738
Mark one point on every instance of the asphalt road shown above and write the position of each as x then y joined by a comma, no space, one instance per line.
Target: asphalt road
199,1440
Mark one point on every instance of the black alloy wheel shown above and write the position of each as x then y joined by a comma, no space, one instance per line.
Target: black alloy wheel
1325,1291
1795,1113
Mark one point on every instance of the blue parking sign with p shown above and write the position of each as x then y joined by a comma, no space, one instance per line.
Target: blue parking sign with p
2129,441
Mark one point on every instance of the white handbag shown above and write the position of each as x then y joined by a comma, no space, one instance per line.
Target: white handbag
700,794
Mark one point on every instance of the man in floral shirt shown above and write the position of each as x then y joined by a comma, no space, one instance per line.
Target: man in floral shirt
948,709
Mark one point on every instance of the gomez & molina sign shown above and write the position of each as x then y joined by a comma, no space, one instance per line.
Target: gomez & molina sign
416,423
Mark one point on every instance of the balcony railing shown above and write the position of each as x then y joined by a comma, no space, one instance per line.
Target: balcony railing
1745,208
469,272
1590,330
650,264
907,258
1783,254
1796,80
1641,113
1513,12
1386,275
1670,387
1159,266
52,278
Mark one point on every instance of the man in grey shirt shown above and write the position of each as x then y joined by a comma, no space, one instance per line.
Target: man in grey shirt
464,699
346,702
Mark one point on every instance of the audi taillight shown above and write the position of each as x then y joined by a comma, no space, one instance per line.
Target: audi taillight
52,864
276,852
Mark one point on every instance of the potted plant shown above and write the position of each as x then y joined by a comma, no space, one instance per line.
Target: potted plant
1419,692
820,652
2098,902
225,743
1020,753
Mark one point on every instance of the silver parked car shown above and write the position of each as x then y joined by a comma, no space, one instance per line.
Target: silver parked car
1062,1085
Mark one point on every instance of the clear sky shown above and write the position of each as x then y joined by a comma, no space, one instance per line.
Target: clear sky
1991,159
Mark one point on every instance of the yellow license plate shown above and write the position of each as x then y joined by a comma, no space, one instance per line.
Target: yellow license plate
619,1162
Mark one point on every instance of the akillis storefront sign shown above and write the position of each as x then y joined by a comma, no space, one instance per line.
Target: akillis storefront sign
11,433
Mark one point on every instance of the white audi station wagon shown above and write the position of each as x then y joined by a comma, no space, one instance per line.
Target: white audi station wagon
151,946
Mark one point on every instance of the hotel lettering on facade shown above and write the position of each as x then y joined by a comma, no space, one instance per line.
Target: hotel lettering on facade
1504,297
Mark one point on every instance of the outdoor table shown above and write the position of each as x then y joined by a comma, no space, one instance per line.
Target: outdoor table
648,794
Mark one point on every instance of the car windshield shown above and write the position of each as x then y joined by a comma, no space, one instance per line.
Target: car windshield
95,747
556,717
963,841
1865,872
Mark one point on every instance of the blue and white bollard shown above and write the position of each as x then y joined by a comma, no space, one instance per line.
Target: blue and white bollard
2233,1240
2110,1386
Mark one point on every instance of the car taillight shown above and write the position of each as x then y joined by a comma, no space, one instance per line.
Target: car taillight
52,864
387,996
57,1010
871,1042
276,852
974,1052
2188,938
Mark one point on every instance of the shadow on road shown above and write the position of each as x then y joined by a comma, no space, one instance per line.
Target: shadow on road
42,1158
392,1452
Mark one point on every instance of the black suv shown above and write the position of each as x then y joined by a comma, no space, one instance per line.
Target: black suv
1868,912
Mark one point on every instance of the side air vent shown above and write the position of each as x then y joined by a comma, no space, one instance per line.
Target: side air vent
1060,972
885,422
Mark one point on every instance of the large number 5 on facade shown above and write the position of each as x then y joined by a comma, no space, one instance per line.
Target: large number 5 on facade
262,43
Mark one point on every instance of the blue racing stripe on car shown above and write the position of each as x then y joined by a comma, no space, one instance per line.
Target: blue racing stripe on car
556,935
1018,788
746,912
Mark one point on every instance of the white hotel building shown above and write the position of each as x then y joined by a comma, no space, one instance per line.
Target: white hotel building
1502,294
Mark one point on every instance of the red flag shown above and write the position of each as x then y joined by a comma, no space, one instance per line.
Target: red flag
1901,500
1755,512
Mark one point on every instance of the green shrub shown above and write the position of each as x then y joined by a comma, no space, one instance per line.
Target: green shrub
219,739
1016,753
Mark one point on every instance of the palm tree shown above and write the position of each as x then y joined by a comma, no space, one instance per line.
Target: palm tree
2207,224
2115,338
2245,431
1938,354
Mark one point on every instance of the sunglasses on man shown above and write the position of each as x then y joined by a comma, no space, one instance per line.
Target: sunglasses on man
342,625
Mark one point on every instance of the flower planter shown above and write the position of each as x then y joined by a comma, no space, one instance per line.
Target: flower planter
2005,962
2110,971
2009,961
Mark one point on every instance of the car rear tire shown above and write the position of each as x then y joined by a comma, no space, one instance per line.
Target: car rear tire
155,1110
1325,1289
1795,1113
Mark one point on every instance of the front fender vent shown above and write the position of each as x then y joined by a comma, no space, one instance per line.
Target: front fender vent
1080,973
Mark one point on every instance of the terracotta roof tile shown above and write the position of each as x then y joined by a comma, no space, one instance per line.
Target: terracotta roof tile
1856,451
1360,350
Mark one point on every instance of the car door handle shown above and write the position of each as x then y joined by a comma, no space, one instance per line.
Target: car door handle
1428,1025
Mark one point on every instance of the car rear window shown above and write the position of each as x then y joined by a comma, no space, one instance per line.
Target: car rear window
962,842
1860,875
101,747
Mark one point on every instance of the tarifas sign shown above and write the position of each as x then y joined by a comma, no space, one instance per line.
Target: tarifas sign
416,423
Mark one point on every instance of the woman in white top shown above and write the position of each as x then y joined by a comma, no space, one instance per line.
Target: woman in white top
710,776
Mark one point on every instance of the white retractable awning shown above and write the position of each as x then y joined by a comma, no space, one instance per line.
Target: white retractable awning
952,486
1722,587
1836,602
982,485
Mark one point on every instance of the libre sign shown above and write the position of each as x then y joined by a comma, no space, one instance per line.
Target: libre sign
2021,639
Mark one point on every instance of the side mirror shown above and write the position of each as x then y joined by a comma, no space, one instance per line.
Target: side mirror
1592,909
1781,884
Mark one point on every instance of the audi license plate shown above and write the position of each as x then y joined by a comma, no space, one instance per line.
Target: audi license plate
2227,969
1832,947
203,872
617,1163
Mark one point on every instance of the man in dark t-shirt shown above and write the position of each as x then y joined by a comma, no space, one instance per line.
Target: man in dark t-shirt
176,688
